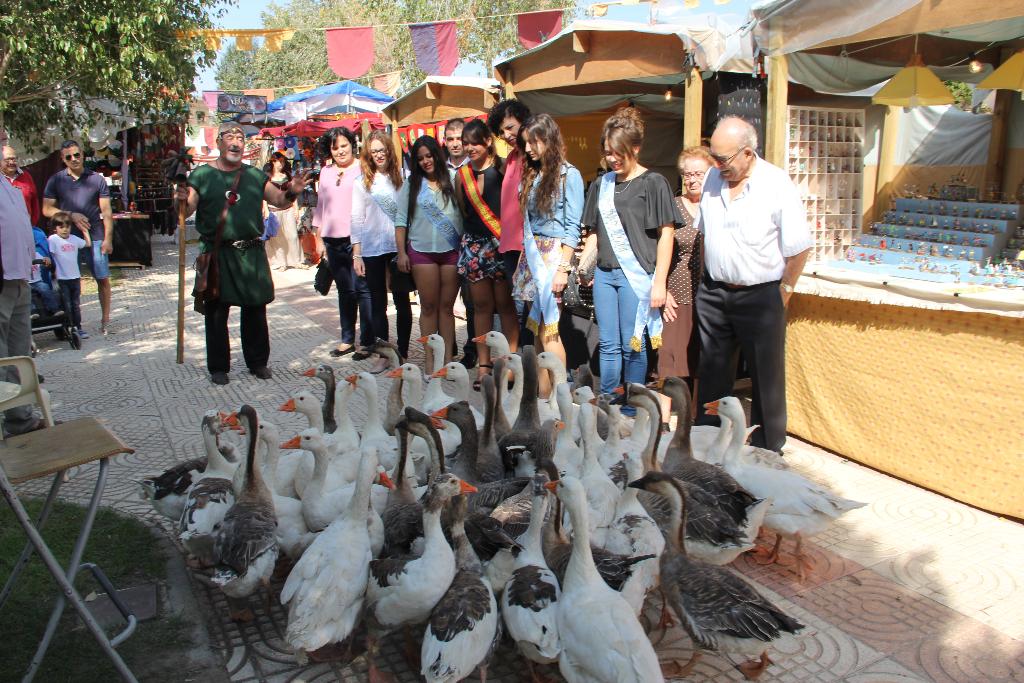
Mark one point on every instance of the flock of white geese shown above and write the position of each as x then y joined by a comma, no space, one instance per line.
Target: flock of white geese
546,520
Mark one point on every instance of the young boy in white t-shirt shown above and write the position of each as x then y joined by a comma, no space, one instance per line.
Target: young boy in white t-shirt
64,247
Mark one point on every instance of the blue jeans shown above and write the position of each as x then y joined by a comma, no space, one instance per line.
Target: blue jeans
71,296
615,308
353,293
44,299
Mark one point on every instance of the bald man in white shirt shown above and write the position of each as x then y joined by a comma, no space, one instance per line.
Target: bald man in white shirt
756,242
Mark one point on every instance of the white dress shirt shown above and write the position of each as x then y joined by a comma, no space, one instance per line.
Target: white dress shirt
746,239
373,216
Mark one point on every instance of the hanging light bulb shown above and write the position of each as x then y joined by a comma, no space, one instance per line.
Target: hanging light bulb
668,94
975,64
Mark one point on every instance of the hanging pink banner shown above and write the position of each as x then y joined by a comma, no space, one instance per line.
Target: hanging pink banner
436,46
350,51
536,27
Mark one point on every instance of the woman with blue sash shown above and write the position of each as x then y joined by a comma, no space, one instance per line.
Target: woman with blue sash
551,201
374,209
428,230
633,217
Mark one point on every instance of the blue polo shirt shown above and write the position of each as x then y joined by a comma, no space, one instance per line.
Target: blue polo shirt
79,196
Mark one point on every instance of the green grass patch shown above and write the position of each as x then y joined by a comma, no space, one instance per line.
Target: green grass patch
131,555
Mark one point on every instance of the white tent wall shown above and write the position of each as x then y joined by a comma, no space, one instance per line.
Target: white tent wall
1013,164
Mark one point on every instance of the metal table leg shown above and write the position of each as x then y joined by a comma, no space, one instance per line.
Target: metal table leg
26,554
66,580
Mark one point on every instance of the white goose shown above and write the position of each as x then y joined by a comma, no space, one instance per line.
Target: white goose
325,590
568,453
374,434
457,376
434,398
529,603
292,533
412,378
549,406
800,507
601,638
602,494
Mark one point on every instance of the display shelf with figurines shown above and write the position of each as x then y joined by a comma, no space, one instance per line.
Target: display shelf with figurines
824,150
939,239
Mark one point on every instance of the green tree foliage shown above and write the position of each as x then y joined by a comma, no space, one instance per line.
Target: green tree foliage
58,57
304,58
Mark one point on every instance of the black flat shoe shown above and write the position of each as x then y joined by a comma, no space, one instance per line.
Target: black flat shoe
361,354
262,373
338,353
219,378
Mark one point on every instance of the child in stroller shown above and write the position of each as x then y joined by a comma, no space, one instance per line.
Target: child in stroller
48,313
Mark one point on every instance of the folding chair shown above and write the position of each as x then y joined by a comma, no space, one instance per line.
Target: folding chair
53,451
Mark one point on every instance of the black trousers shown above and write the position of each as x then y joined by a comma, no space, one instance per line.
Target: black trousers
353,292
469,348
377,282
255,337
754,320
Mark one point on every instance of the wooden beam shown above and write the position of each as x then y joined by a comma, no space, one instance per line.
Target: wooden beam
995,169
693,108
886,162
432,91
778,99
581,42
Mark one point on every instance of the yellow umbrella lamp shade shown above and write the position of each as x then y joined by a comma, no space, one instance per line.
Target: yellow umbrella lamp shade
913,86
1009,76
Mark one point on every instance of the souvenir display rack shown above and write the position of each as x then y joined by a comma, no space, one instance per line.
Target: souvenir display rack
824,148
943,241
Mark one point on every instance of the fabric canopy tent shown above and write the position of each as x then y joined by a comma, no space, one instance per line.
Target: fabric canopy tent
314,129
786,26
336,98
439,98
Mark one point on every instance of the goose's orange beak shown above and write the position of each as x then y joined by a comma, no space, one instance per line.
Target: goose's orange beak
658,384
384,480
292,443
466,487
559,425
441,413
310,373
711,408
593,401
394,374
229,419
437,423
619,391
551,486
480,338
423,339
443,372
288,406
352,379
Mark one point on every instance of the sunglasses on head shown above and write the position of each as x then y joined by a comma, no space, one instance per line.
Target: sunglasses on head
74,155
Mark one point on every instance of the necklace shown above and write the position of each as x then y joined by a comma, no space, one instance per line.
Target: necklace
626,186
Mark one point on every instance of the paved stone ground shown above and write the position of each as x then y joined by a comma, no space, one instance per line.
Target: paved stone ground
913,587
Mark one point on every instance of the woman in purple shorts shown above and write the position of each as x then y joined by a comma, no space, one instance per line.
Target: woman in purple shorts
428,230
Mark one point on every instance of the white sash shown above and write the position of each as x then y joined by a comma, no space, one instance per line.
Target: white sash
544,302
639,279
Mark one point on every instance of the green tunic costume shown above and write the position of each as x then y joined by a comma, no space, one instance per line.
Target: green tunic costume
244,273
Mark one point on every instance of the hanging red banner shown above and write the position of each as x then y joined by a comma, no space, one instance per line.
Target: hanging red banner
536,27
350,50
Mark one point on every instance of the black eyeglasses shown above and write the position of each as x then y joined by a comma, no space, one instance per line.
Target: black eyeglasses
722,161
69,157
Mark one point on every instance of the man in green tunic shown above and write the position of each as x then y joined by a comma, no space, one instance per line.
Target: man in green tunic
244,271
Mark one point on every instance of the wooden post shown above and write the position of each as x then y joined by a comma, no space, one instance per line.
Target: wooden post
182,207
693,108
886,162
995,170
775,122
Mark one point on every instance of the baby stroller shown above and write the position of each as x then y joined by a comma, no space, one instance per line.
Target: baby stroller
59,321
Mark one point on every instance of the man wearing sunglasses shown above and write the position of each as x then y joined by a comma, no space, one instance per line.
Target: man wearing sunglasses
84,194
756,242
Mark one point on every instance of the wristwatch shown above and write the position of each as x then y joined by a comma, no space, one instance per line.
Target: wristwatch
787,288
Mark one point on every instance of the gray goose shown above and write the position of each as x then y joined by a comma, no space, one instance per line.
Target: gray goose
524,432
719,610
245,543
325,373
463,628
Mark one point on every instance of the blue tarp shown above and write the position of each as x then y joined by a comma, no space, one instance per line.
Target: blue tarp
335,98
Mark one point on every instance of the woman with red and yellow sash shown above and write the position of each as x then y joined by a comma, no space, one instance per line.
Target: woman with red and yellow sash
478,189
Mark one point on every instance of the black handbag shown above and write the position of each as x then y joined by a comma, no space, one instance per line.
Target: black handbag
576,297
323,278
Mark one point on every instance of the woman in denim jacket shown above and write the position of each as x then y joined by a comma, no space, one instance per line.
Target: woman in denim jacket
551,198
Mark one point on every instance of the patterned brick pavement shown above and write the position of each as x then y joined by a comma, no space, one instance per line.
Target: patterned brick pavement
913,587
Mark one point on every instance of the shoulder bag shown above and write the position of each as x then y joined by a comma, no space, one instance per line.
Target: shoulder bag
207,289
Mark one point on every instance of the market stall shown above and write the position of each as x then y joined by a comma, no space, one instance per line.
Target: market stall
909,323
591,68
437,100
